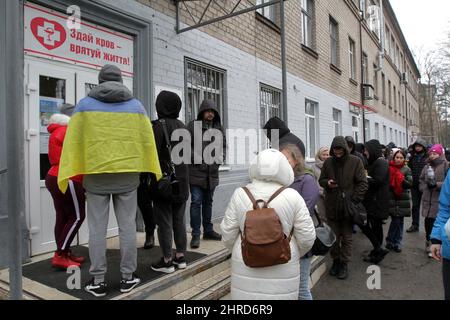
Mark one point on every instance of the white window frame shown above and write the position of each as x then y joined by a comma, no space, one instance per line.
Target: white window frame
307,17
311,151
365,63
334,42
385,134
377,131
337,123
367,129
352,58
355,129
269,12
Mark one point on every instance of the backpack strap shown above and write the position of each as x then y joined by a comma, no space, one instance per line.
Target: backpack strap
252,199
276,194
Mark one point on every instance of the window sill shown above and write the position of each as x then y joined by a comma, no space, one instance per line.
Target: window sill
272,25
335,69
310,51
353,82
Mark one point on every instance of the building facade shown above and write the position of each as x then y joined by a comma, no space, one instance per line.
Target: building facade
332,51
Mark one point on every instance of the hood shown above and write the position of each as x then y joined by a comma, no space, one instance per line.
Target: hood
391,145
339,141
272,166
350,139
322,149
373,147
168,105
111,92
422,142
207,105
274,124
56,121
359,147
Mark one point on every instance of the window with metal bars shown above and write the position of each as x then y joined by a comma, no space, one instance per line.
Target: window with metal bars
270,106
203,82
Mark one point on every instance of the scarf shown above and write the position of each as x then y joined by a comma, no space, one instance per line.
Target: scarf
396,178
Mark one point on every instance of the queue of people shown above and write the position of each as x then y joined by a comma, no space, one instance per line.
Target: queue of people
124,165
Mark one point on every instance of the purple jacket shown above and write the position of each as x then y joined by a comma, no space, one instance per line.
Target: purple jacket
306,185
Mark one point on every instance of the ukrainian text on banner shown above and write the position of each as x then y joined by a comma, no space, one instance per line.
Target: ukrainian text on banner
47,35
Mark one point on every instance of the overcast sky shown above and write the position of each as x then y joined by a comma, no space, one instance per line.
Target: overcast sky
424,23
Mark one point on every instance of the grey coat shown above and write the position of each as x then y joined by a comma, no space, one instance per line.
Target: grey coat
430,197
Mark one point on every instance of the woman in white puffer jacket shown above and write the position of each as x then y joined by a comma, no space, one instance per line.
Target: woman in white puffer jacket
268,172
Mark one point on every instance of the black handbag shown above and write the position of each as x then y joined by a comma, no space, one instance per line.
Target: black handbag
168,186
325,238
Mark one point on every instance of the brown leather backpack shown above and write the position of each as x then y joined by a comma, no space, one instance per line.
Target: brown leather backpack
264,243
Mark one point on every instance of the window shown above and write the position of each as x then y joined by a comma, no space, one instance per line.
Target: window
367,129
308,23
334,42
270,12
377,131
387,36
355,128
203,82
351,56
311,121
375,80
399,106
270,103
337,116
391,134
365,62
385,134
397,57
383,88
395,99
403,105
390,94
362,8
396,137
392,48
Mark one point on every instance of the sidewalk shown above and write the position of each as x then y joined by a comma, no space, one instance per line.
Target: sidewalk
37,290
408,275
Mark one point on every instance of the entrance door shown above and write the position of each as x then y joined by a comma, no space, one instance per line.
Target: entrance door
48,84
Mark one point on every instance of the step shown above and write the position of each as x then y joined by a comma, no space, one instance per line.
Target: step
171,285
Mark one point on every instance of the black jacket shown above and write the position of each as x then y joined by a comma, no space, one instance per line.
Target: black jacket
417,162
349,173
285,135
354,152
376,200
170,111
205,175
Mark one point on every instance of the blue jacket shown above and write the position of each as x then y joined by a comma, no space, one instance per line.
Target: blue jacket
438,234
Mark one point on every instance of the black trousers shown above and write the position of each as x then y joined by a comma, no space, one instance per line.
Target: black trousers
446,277
146,207
429,224
416,196
373,230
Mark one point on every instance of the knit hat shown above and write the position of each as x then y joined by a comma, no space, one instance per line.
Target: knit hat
110,73
67,109
394,151
168,105
437,148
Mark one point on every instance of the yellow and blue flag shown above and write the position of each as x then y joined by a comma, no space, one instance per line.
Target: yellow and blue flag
108,138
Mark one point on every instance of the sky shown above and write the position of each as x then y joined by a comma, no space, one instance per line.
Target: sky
424,23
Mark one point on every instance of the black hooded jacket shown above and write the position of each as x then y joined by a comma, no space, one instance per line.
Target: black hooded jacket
168,107
376,200
285,135
348,172
205,175
418,161
355,152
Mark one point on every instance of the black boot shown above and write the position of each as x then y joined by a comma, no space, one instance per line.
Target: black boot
335,268
149,241
343,271
378,255
195,242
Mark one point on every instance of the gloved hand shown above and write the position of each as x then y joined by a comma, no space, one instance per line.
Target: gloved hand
431,185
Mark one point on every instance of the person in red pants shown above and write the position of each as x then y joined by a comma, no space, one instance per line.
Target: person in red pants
69,207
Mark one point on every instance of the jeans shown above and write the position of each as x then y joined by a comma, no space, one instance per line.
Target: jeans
201,209
446,277
395,233
304,293
416,199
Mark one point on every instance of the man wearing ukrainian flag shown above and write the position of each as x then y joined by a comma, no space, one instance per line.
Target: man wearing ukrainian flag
110,141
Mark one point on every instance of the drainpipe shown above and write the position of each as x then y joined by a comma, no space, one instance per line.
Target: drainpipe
283,61
361,17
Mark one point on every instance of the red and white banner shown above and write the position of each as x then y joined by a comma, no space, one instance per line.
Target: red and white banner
47,35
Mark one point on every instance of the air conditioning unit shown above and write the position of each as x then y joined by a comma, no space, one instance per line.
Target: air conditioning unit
404,78
368,91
